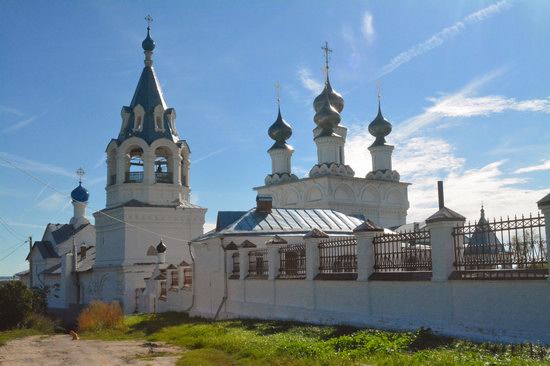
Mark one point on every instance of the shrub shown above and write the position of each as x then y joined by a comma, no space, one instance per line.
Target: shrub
15,304
100,316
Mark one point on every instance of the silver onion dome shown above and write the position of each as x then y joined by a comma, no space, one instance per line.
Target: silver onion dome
327,117
335,99
280,131
379,128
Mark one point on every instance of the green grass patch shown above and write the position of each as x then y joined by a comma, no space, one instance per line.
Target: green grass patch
255,342
9,335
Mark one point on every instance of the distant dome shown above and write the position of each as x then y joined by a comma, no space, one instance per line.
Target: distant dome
280,131
148,44
80,194
161,248
380,128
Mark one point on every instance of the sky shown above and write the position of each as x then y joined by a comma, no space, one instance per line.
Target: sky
466,85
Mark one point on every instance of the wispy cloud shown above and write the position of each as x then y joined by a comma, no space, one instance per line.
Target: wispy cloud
313,85
534,168
17,126
367,27
54,202
8,110
33,166
209,155
444,35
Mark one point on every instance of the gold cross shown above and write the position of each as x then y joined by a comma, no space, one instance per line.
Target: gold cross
379,88
278,89
148,19
327,51
80,172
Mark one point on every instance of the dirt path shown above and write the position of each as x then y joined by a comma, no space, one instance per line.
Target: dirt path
61,350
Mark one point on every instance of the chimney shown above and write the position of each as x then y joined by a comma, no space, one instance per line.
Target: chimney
440,194
264,203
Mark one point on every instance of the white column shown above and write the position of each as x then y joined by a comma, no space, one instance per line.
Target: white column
121,167
442,241
365,234
544,206
148,168
273,259
381,157
328,149
311,241
280,160
176,170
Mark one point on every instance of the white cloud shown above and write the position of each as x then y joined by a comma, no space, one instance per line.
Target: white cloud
219,151
534,168
442,36
367,27
208,226
31,165
17,126
53,202
308,82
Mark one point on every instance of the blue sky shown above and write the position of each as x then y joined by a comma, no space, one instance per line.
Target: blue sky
465,84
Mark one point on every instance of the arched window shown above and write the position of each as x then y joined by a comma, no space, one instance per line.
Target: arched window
163,169
134,173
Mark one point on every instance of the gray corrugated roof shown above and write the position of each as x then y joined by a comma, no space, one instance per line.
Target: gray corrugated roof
65,232
46,248
283,221
55,269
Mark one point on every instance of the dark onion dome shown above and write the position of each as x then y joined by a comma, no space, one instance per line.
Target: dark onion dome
80,194
379,128
161,247
335,99
148,44
280,131
327,117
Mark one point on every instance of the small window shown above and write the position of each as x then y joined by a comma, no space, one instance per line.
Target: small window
158,121
138,123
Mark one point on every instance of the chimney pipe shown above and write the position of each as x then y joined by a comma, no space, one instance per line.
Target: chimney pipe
440,194
264,203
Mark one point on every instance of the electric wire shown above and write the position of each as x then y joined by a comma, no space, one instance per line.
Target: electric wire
10,230
98,211
13,251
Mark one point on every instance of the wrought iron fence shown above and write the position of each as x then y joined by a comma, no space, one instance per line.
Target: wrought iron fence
175,279
503,249
133,177
236,267
163,292
187,277
338,255
408,251
164,177
292,261
258,265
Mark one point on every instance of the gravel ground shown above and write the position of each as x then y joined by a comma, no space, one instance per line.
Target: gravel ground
62,350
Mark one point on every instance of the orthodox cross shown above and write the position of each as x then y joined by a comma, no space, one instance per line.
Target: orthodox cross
278,89
80,172
379,89
148,19
327,51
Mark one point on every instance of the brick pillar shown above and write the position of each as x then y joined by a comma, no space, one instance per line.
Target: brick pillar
544,206
311,241
365,234
244,248
273,258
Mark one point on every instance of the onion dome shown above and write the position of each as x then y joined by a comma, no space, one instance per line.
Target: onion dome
280,131
379,128
161,247
334,98
148,44
80,194
327,117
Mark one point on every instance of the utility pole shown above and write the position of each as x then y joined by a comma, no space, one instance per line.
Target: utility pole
30,262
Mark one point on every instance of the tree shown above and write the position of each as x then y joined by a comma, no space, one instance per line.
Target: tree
15,304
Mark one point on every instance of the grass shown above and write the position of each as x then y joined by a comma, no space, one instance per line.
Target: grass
255,342
9,335
35,324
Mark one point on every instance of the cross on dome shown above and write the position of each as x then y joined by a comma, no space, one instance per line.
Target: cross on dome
80,172
149,20
327,50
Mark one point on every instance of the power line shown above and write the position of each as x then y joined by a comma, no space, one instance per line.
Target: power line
13,251
10,230
98,211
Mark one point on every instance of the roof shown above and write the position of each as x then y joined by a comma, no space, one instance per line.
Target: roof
46,249
136,203
545,201
55,269
65,232
445,214
483,240
86,263
283,221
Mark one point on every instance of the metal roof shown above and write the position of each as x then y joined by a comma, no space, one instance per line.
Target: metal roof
46,249
285,221
65,232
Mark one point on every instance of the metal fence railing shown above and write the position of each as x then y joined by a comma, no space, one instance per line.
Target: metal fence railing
236,265
258,265
292,262
501,249
408,251
338,256
164,177
133,177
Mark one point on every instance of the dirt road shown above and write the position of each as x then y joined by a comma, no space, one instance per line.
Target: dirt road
62,350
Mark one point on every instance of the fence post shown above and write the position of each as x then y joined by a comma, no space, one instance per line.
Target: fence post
441,226
311,242
273,245
244,248
544,206
365,234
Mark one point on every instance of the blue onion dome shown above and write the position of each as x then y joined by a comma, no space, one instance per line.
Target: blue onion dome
335,99
148,44
280,131
379,128
80,194
161,247
327,117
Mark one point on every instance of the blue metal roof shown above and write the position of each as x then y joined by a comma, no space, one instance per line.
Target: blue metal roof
283,221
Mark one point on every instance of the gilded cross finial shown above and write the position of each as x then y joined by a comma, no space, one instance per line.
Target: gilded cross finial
278,89
327,50
379,89
149,20
80,172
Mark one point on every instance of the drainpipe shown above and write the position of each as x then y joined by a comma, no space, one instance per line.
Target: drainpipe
224,298
193,279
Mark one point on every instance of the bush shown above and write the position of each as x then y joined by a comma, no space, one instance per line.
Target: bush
101,316
15,304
